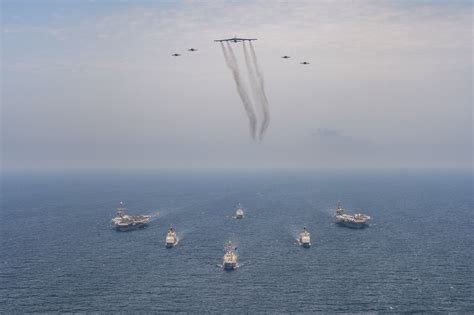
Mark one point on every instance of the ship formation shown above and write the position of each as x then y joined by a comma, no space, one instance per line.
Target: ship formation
125,222
355,221
229,261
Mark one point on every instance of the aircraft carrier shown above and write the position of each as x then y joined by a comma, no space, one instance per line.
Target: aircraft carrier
125,222
355,221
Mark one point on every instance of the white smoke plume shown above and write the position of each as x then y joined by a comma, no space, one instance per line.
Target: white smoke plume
233,65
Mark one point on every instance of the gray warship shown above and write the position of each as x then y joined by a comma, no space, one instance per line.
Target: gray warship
354,221
230,257
125,222
305,238
239,213
171,238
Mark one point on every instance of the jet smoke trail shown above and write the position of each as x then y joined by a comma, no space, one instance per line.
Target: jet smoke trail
264,100
256,93
231,62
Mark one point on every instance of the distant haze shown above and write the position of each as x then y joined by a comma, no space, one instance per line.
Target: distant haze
92,84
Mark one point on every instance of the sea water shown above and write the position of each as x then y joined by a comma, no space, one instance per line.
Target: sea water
59,252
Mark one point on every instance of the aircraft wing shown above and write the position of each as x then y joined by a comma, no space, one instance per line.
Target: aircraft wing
235,39
249,39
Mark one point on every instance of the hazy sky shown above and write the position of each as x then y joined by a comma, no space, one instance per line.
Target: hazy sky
92,84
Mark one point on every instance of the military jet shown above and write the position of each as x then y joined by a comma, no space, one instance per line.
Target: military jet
192,49
286,57
304,63
176,55
234,39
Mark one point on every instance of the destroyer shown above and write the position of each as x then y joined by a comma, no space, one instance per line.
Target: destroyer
239,213
355,221
125,222
230,257
305,238
171,238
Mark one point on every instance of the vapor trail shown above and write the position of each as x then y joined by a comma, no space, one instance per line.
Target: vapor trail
231,62
264,100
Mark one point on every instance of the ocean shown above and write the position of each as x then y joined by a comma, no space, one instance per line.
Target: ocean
59,252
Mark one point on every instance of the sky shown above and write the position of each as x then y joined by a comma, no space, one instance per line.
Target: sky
93,85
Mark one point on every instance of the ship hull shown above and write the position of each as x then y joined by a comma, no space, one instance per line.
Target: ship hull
239,214
305,242
131,227
353,225
171,243
304,239
230,266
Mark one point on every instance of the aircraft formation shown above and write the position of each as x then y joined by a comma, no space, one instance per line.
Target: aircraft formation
237,40
251,93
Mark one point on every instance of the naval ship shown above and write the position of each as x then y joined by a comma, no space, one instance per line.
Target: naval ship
125,222
355,221
230,257
239,213
171,238
305,239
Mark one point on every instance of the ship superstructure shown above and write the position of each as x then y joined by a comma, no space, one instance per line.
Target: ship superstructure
230,257
355,221
305,238
125,222
171,238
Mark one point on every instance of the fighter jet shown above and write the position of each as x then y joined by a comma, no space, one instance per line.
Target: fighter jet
176,55
304,63
286,57
192,49
234,39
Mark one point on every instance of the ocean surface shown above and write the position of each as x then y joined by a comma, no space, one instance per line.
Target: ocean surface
59,252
